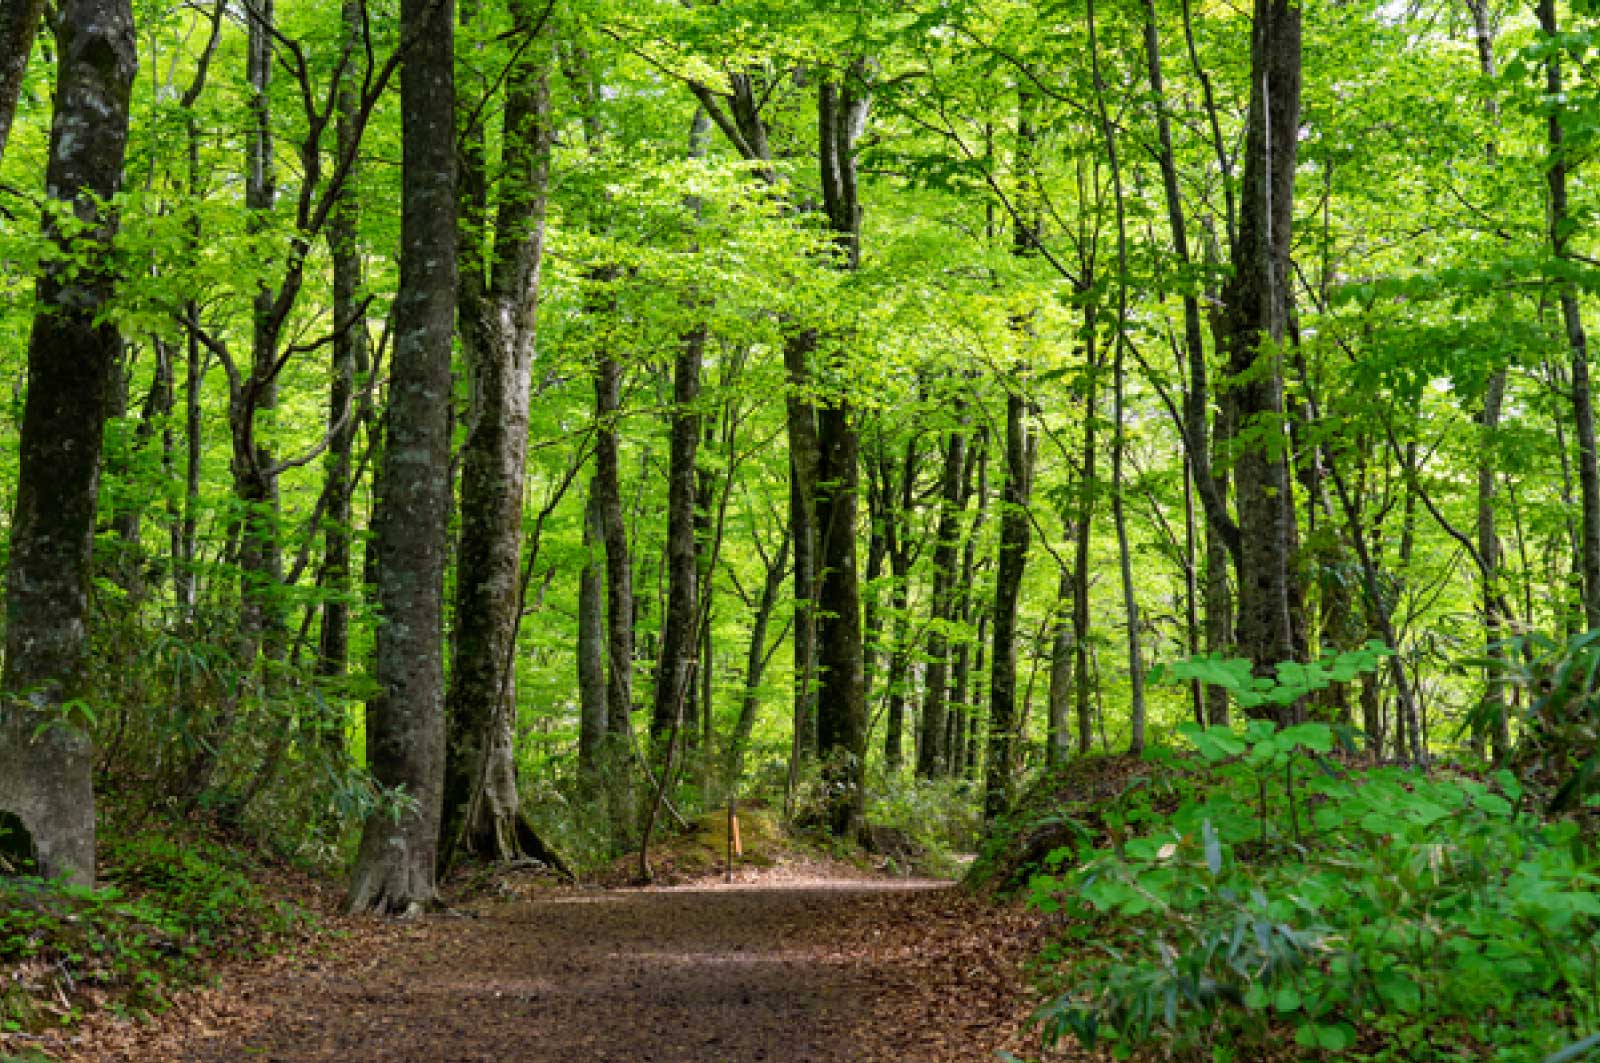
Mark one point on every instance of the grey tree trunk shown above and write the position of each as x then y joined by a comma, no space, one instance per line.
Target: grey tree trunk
591,650
841,706
350,357
933,752
756,658
1058,732
1130,601
1088,490
1256,313
498,312
1572,319
19,24
680,649
803,462
1221,535
619,585
46,762
395,868
1015,534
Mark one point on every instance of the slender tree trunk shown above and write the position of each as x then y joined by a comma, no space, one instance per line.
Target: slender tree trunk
481,806
933,751
394,870
1221,533
900,558
841,716
19,24
1256,314
1494,694
1130,601
1561,227
1058,732
680,642
46,760
1014,541
350,357
1088,489
841,705
591,650
803,462
756,662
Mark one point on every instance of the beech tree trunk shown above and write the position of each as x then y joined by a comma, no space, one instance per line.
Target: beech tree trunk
350,356
1572,320
498,313
1256,313
46,763
756,658
19,24
1058,731
395,867
803,462
933,752
592,718
1081,617
841,705
1015,534
680,649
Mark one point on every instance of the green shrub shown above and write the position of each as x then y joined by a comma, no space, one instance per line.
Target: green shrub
167,909
1384,914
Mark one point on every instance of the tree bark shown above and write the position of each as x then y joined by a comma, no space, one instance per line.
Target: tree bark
933,750
395,867
1256,313
756,658
675,674
19,24
1561,228
1087,491
350,357
46,760
1015,534
592,718
480,800
804,460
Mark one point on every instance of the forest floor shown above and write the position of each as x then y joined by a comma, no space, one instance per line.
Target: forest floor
807,964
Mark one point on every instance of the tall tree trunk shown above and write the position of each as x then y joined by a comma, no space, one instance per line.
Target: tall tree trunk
841,716
46,763
841,704
1221,533
1058,730
1561,228
804,459
680,644
19,24
350,357
395,867
1494,694
619,584
1130,601
591,650
1088,490
933,751
481,807
1256,314
756,659
1014,541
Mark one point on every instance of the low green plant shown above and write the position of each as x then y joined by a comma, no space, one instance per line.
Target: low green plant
167,910
1380,914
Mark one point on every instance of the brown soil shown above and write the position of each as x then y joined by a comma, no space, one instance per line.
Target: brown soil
781,967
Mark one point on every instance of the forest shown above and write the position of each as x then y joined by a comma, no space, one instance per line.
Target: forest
1147,444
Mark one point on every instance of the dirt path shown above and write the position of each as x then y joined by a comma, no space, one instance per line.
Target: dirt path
820,972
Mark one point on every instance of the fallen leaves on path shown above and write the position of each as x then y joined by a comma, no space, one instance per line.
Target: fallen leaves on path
795,971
